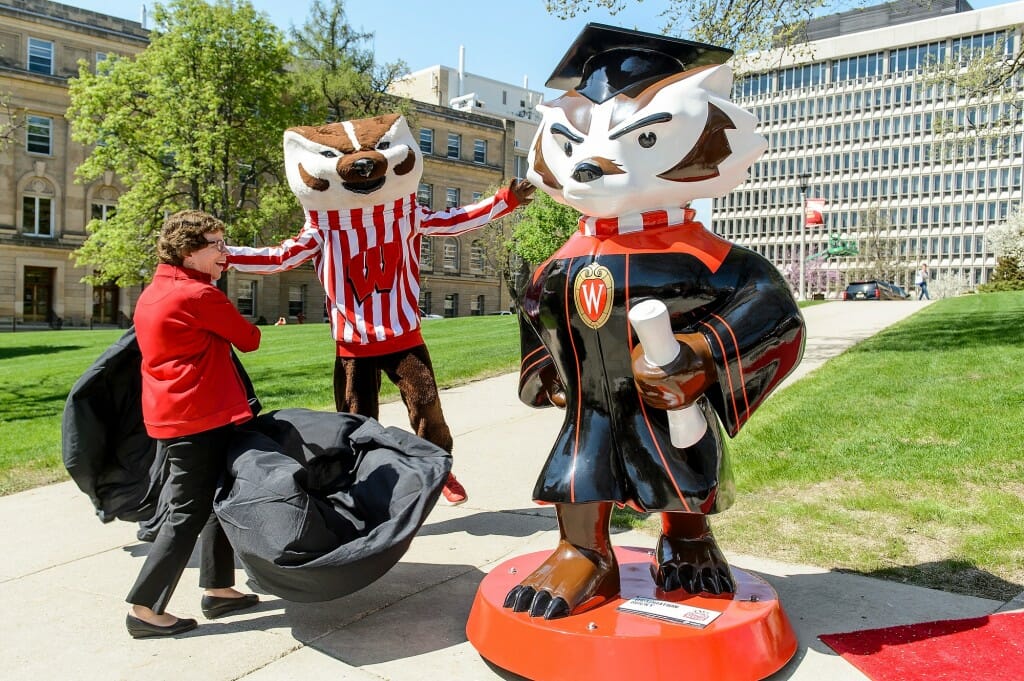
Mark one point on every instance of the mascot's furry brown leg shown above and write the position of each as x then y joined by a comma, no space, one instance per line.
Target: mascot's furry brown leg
357,385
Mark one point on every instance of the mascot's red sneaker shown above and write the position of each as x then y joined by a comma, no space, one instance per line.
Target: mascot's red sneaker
453,491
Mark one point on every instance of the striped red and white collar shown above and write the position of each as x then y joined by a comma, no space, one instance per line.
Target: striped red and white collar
636,222
357,217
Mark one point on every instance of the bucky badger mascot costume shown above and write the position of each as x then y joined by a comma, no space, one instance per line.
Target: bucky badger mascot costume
644,127
357,183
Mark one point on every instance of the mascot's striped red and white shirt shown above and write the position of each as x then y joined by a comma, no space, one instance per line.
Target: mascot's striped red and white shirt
368,260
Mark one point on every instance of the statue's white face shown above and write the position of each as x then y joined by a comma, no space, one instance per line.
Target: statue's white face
678,140
352,164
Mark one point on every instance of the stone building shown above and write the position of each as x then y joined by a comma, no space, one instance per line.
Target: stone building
466,157
43,211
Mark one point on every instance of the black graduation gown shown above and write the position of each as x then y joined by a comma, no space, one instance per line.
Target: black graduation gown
612,446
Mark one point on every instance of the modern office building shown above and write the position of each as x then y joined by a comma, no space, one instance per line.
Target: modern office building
849,119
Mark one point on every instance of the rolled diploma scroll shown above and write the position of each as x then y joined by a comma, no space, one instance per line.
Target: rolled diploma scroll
650,320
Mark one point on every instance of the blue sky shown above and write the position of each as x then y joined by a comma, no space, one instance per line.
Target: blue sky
504,40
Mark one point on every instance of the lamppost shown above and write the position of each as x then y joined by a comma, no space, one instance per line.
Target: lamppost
804,179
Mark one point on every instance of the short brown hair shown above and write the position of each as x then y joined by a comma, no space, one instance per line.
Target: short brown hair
183,234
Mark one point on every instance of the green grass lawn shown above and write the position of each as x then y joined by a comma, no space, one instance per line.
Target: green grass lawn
902,458
293,368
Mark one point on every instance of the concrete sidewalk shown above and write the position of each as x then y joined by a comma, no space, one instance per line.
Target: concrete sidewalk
64,575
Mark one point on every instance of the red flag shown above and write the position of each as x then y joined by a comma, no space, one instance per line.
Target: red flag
813,212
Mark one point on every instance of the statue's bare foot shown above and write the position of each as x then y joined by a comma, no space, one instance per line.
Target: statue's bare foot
567,579
693,564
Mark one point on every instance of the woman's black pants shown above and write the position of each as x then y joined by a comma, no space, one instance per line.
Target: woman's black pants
195,465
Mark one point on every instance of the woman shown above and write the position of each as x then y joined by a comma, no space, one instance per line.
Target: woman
192,399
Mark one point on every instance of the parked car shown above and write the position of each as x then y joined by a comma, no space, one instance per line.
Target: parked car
901,292
424,315
871,290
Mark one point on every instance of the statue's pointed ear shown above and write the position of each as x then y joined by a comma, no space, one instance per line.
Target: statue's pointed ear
717,80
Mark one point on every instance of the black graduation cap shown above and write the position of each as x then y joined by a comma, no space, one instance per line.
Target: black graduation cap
605,61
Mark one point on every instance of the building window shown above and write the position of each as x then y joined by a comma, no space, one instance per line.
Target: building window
476,258
477,196
480,151
38,134
40,56
37,215
451,255
476,308
297,302
247,298
454,145
425,195
426,140
451,197
451,305
427,254
102,211
521,166
425,303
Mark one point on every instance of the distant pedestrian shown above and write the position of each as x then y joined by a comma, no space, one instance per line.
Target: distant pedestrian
921,281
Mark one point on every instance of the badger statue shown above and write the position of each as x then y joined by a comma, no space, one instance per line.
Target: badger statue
645,126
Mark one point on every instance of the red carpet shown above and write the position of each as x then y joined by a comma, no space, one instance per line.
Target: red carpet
982,648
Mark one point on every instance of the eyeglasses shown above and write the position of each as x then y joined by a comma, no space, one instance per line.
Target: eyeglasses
219,244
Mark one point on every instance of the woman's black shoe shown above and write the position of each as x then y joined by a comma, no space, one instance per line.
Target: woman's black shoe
143,629
214,606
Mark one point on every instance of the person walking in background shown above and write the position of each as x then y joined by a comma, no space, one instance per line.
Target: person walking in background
921,281
192,399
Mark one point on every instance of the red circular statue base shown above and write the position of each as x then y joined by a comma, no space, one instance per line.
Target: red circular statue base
750,639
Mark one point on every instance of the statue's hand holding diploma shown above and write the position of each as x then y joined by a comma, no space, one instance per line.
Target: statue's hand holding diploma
671,370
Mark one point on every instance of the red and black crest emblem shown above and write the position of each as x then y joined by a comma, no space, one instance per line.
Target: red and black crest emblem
592,292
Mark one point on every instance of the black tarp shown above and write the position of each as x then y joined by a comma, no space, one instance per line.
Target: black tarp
316,504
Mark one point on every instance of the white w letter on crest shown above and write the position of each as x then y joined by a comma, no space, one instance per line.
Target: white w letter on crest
592,291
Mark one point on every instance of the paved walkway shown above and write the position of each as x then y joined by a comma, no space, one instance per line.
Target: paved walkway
64,575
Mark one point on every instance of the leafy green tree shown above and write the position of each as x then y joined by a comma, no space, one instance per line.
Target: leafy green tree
748,26
193,121
742,25
10,122
541,228
335,72
989,108
878,251
1007,242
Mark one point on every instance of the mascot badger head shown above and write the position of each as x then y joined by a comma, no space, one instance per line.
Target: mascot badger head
645,125
352,164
